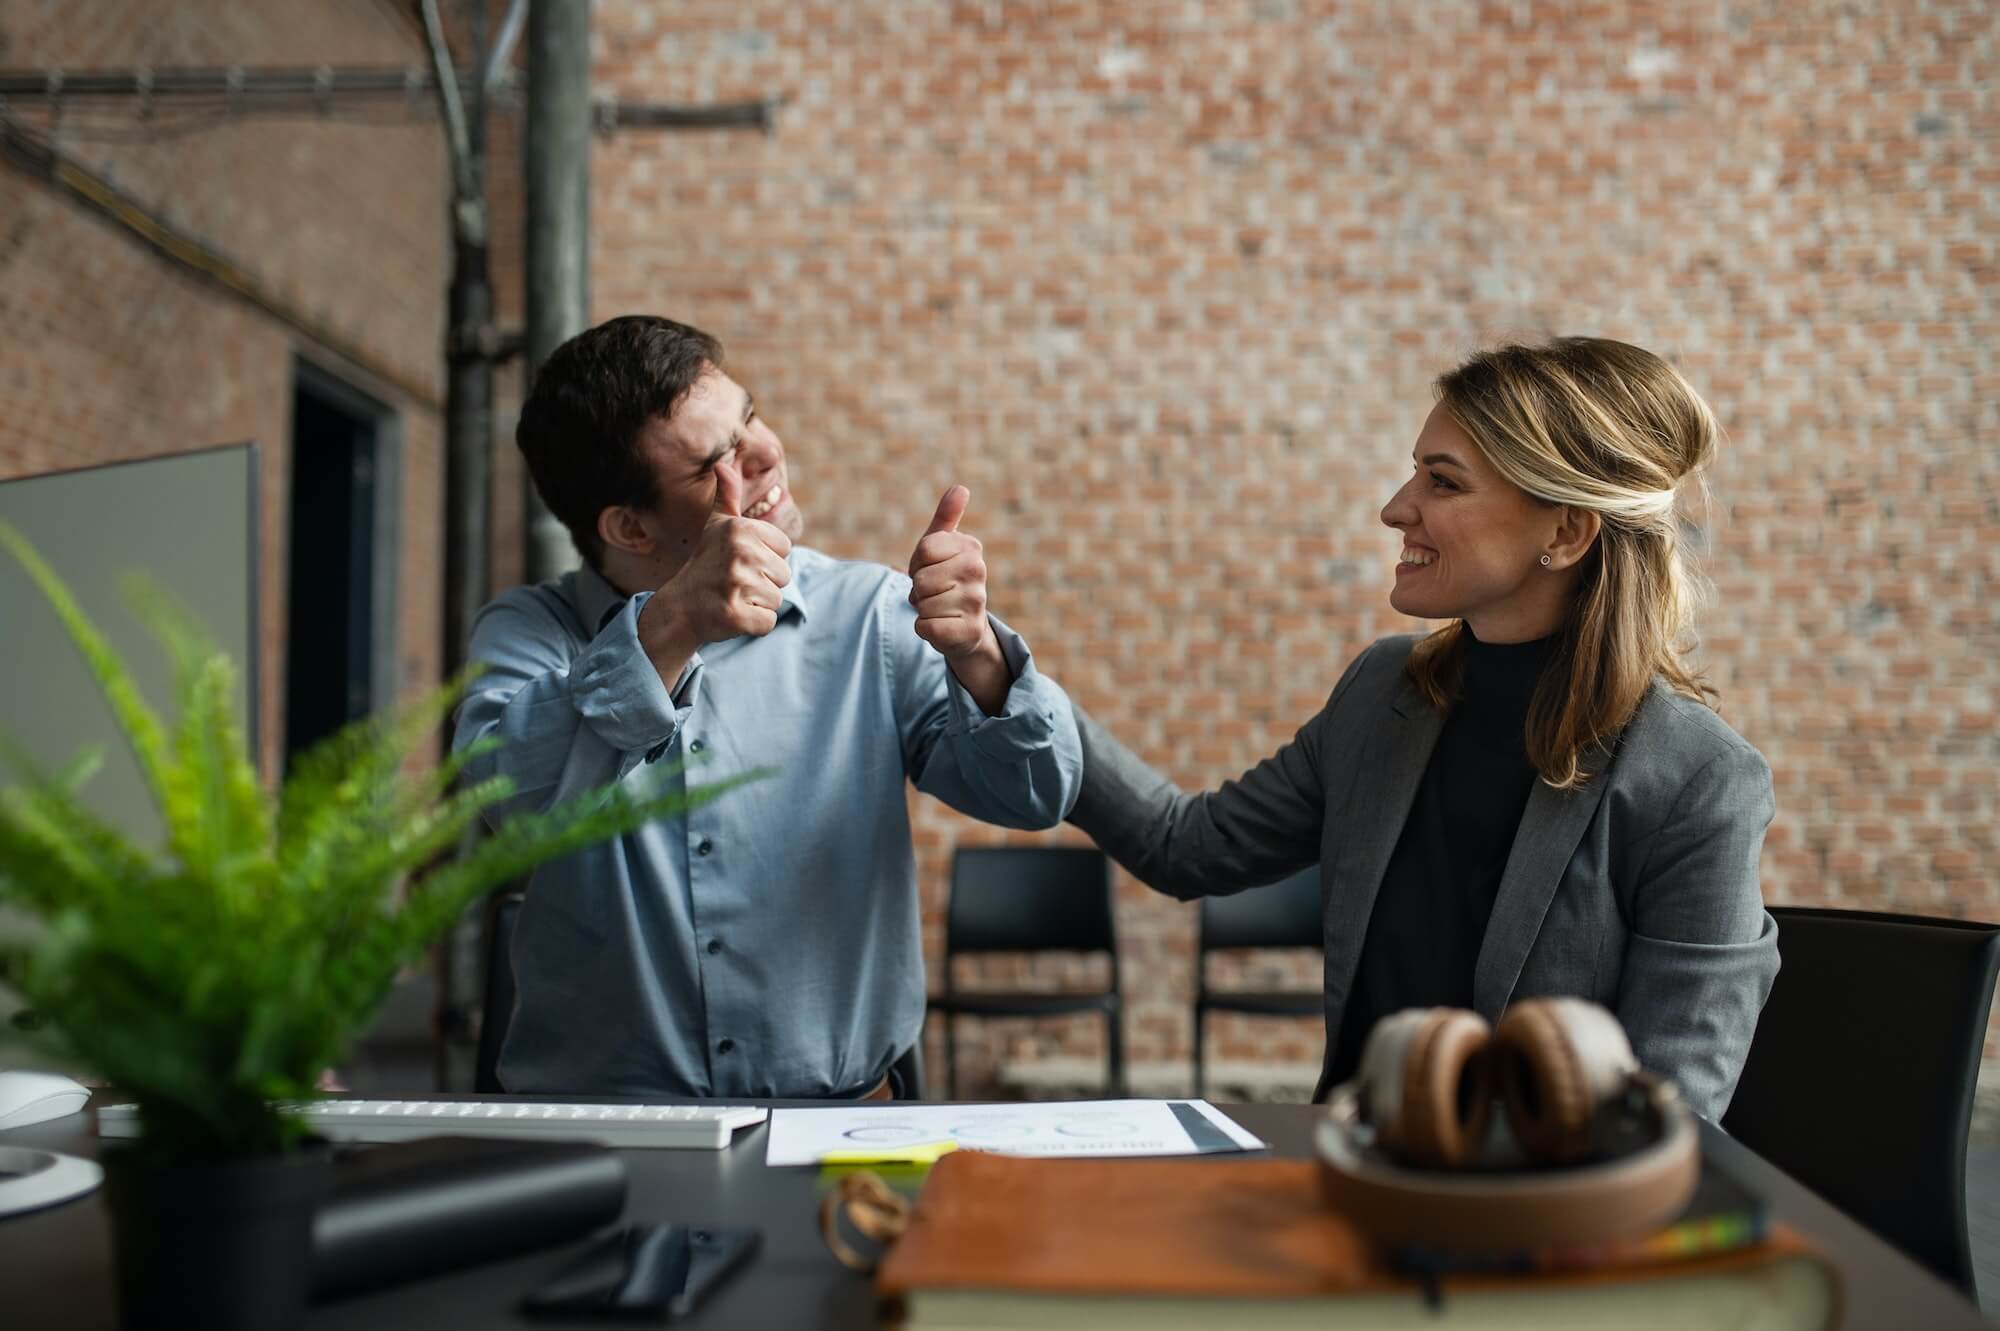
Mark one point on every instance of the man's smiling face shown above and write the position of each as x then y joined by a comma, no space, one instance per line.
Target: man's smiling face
715,428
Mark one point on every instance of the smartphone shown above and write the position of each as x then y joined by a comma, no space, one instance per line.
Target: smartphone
645,1272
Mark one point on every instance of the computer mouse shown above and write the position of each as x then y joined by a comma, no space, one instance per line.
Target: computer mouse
36,1097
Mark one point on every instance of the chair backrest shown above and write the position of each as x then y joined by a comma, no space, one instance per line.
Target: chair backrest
1030,899
497,1008
1859,1082
1285,914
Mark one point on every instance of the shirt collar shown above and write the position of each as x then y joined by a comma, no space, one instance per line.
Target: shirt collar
597,601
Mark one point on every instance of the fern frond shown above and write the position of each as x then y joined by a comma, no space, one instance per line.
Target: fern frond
141,727
528,839
225,970
348,784
426,832
49,808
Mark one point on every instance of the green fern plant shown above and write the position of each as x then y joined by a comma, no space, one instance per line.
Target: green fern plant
223,971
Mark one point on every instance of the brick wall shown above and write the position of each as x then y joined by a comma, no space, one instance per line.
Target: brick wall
1165,284
108,352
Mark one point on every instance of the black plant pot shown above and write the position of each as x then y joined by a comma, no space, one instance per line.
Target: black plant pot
219,1244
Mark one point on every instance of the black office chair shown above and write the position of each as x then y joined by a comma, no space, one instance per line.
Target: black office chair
1859,1081
1030,899
1285,914
497,1008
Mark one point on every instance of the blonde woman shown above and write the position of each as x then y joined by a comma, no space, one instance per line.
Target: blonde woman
1538,798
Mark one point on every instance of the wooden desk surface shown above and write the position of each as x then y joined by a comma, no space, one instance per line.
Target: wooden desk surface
55,1273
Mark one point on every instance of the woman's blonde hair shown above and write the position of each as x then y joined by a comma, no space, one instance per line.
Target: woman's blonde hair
1608,427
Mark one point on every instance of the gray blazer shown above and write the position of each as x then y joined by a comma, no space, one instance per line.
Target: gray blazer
1640,890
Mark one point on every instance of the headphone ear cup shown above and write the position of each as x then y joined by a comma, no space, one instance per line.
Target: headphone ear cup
1425,1086
1556,1060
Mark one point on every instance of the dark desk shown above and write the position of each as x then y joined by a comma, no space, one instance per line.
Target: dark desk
54,1264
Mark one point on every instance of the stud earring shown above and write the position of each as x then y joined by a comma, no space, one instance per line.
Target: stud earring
1545,561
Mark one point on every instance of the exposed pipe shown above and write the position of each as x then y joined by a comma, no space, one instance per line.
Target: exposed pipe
502,54
469,208
468,424
556,169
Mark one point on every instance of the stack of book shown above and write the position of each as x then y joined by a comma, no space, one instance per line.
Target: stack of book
997,1242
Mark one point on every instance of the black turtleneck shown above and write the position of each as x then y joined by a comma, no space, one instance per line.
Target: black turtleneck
1437,893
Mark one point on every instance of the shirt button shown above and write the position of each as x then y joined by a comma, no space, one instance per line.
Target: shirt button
696,747
724,1046
705,846
714,946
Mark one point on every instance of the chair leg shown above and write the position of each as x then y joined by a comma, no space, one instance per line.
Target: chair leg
951,1056
1200,1073
906,1074
1114,1051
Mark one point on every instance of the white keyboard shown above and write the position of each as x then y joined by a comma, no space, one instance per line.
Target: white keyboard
697,1127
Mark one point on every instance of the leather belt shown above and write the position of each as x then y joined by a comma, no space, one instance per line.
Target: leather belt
882,1089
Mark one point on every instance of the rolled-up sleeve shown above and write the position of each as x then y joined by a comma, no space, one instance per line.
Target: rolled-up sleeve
566,720
1021,768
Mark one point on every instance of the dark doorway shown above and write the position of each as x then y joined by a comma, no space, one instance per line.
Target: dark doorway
340,453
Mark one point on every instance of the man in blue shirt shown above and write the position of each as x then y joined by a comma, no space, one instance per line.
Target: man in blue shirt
769,943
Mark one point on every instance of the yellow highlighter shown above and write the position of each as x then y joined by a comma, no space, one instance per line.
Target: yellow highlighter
916,1153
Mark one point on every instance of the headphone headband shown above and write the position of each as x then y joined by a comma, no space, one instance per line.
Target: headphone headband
1477,1211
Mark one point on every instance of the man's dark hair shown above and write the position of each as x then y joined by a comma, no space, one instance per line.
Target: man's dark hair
579,429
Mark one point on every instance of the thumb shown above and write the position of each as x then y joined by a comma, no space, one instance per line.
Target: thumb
949,510
728,493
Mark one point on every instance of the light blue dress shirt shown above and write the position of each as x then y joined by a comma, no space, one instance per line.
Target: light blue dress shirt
768,944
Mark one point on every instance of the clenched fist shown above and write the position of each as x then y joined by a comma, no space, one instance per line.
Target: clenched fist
729,586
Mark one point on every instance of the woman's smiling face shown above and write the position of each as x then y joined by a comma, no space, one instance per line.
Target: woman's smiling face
1473,542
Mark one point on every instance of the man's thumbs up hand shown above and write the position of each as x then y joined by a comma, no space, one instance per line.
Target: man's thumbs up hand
729,587
948,583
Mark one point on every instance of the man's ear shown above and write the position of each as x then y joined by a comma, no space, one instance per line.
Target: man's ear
620,529
1576,532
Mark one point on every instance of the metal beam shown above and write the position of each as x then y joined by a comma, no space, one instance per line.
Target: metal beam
217,81
322,86
652,115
